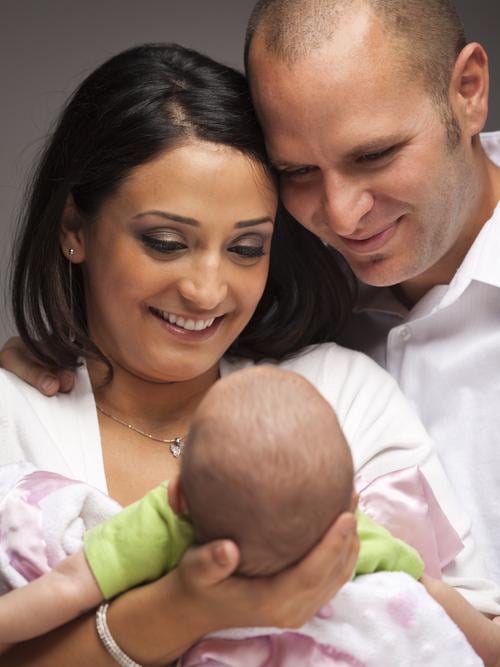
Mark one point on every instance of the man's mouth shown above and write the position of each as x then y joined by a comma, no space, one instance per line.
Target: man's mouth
372,242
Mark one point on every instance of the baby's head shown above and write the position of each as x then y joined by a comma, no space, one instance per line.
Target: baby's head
266,465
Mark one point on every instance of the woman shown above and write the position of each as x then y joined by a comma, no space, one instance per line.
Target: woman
146,253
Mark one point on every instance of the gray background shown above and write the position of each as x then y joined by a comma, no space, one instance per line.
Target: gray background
46,48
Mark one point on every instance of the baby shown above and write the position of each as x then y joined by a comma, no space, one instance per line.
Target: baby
265,464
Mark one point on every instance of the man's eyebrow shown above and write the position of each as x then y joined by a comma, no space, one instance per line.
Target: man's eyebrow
376,145
174,217
371,146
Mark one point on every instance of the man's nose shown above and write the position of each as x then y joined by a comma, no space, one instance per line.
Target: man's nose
344,203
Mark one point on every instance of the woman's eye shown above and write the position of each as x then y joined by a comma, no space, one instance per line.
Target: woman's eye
163,245
247,251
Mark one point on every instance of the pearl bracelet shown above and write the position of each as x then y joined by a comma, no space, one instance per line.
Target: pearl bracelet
107,639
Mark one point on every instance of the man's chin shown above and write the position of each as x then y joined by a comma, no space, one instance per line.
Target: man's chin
378,272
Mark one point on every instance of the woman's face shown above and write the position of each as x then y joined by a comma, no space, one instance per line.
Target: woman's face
177,260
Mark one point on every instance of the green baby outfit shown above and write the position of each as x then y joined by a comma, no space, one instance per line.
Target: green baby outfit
147,539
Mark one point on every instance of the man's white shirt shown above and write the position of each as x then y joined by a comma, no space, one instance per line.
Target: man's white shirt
445,354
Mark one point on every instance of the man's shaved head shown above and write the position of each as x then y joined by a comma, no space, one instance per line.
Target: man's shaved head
428,33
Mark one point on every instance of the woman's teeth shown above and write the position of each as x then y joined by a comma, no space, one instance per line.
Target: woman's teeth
190,325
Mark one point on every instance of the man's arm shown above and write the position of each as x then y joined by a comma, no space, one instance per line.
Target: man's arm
481,633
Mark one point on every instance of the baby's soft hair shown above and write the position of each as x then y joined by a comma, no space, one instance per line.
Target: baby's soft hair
266,465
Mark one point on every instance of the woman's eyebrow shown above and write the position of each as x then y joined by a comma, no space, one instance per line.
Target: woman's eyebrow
195,223
254,221
169,216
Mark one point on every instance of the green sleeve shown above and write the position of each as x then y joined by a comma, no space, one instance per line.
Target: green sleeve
139,544
380,551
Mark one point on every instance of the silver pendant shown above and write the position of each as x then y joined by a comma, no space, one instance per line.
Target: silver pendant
176,447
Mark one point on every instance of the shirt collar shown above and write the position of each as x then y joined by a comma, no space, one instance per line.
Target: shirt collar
380,300
482,262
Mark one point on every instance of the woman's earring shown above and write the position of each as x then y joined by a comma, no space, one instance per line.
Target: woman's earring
71,252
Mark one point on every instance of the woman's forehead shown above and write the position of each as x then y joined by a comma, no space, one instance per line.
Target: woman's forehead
200,180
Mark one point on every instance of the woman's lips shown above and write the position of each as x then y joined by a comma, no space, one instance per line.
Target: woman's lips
372,243
188,334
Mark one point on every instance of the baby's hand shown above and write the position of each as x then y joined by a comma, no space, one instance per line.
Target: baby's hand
16,358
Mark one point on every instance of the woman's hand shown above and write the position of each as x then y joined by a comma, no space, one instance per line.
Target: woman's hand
286,600
156,623
201,596
16,358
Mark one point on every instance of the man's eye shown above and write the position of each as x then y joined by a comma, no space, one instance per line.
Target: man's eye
162,245
373,157
296,173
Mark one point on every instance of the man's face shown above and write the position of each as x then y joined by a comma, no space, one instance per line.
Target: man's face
364,157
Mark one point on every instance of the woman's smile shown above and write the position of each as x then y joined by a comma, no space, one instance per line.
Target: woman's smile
185,322
180,255
187,328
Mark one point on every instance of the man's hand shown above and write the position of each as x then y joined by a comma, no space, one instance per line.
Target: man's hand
16,358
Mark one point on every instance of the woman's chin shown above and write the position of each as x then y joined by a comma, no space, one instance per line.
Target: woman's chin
161,372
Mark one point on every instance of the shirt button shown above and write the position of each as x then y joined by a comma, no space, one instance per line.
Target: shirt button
405,333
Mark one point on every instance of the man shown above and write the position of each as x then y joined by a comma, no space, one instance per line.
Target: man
372,111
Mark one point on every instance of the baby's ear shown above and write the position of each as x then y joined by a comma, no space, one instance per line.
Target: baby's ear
175,496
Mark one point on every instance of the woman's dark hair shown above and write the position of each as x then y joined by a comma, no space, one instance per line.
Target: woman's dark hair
138,104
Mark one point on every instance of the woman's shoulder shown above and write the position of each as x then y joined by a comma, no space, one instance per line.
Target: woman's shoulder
332,357
50,432
16,394
21,395
331,368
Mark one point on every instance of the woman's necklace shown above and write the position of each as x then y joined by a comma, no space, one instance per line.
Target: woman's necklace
176,445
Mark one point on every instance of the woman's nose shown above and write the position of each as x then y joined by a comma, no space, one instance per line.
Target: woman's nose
204,290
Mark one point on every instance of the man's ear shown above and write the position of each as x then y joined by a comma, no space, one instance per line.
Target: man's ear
72,237
469,88
175,496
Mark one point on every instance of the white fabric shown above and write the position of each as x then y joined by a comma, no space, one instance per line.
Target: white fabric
386,618
43,518
61,434
445,355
